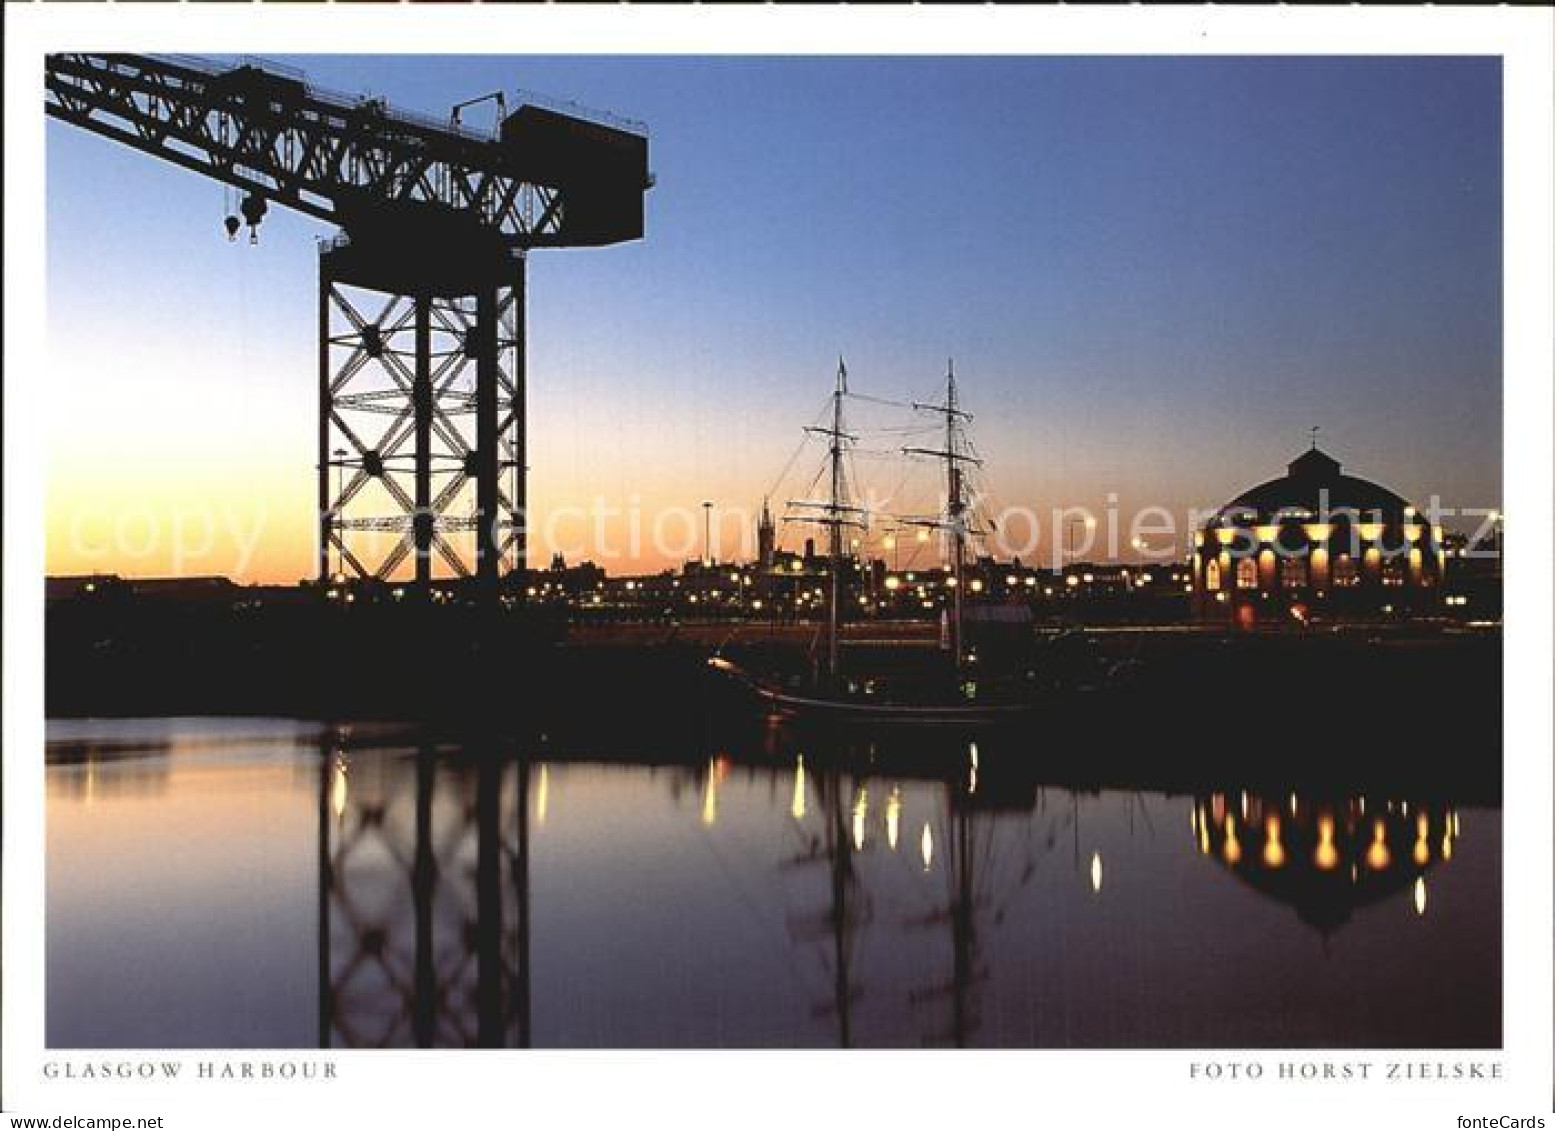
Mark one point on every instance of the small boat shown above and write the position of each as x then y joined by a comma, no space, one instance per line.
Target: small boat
835,699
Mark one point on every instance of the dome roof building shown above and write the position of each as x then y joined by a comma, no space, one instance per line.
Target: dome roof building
1316,542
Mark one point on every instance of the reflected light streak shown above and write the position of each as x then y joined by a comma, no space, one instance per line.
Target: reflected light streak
796,807
1327,856
1232,848
927,847
860,813
1422,852
1420,895
338,788
1377,856
710,795
543,794
893,817
1096,871
1273,850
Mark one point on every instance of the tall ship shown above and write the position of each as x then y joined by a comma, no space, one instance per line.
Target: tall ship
942,685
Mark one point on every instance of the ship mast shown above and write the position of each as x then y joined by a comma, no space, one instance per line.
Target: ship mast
954,455
835,515
954,507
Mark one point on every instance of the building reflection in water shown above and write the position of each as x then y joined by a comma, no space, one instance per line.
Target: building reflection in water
1326,857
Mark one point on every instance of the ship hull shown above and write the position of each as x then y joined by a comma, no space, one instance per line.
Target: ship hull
795,706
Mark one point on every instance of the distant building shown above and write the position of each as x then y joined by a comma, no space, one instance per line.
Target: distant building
79,585
766,539
1316,542
563,580
1473,583
185,590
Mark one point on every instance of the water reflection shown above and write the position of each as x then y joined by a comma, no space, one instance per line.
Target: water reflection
490,893
1326,857
425,900
424,905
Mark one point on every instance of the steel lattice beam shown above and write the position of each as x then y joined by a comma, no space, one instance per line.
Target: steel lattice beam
352,163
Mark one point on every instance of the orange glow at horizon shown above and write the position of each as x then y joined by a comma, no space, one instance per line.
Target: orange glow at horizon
196,459
179,451
203,465
255,522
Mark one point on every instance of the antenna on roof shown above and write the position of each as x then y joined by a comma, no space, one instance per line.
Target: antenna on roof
1314,431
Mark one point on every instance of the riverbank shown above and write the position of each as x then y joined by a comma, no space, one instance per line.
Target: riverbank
1413,704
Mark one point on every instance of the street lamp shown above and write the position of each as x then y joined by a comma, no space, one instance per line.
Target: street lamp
1090,524
340,487
707,532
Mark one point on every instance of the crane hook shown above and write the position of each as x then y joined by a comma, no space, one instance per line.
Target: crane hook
254,209
232,224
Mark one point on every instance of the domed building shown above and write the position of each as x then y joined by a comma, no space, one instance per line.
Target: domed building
1316,542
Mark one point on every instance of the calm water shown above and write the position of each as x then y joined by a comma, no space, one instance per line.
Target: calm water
231,883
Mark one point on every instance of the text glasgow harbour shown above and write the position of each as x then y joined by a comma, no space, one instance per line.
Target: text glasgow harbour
290,1070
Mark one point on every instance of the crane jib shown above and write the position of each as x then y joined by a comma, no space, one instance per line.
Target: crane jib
547,179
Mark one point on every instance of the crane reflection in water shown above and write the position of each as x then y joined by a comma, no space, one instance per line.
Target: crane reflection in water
425,902
424,906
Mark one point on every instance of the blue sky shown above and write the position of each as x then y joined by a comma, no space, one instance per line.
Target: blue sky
1154,276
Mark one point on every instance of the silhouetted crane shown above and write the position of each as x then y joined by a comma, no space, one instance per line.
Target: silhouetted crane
434,218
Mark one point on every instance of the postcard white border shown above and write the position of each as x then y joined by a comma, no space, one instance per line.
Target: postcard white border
784,1089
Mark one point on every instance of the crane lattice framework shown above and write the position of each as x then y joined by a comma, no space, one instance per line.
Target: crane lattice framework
421,295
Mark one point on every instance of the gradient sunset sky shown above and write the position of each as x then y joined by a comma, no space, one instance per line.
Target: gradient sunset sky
1154,276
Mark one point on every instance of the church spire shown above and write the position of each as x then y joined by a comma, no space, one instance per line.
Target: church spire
766,537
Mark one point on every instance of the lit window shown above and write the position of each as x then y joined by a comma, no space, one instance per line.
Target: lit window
1293,572
1246,573
1344,571
1211,575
